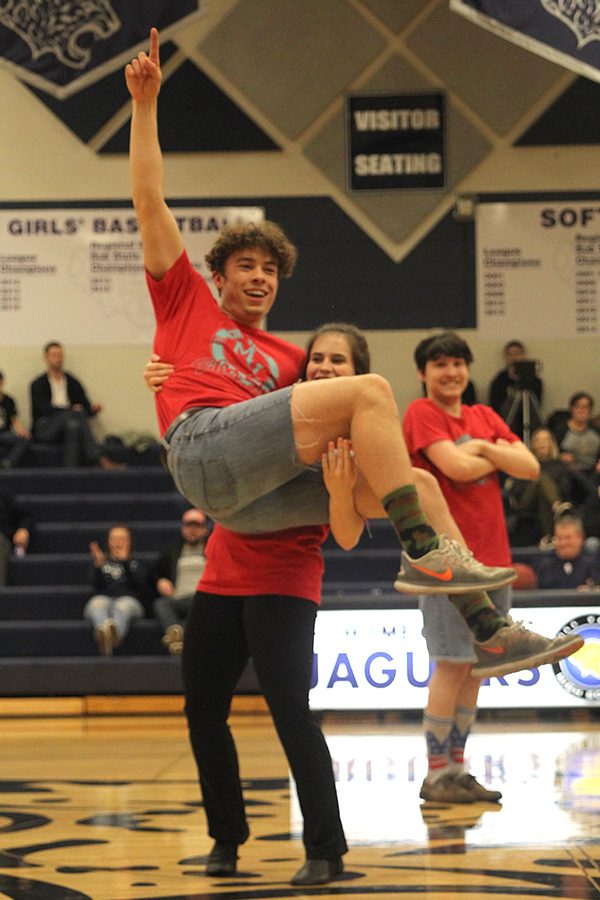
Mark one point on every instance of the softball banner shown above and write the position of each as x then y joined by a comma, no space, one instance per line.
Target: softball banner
538,269
566,32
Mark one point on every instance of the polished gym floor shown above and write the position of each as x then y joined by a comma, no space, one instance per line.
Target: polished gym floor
107,807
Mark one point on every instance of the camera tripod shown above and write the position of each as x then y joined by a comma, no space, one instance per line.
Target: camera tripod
526,402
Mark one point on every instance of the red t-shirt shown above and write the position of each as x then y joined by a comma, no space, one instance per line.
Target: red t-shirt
476,506
217,361
280,562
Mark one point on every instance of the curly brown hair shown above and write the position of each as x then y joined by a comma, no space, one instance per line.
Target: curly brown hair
267,236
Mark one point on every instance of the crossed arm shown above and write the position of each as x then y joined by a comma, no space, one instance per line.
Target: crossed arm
476,458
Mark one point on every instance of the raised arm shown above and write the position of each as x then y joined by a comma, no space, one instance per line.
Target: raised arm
161,238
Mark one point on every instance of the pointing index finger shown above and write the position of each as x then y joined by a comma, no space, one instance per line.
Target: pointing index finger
154,45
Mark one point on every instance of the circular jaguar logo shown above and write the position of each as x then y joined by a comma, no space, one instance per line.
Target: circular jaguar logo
579,674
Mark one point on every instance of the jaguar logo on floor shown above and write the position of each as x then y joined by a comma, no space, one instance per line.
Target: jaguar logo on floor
127,840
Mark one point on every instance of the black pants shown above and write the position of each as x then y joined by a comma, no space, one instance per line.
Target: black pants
15,447
221,633
172,610
71,429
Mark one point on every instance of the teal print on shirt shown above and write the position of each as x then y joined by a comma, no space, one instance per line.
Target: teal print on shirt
237,352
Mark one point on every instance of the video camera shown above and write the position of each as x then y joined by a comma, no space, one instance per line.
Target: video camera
526,372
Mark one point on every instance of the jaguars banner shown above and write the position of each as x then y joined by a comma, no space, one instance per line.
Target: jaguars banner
60,46
566,32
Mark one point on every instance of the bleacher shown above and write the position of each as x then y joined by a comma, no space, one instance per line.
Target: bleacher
47,649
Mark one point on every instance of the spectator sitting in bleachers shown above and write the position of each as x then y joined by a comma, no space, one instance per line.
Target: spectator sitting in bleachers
61,412
533,505
176,574
568,566
119,582
14,437
579,442
15,530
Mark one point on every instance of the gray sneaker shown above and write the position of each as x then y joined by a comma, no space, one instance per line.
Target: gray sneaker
478,792
445,790
449,569
513,648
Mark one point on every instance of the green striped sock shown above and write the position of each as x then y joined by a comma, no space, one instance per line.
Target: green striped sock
404,510
480,614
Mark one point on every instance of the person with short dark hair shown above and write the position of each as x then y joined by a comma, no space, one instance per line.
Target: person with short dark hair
505,387
175,576
14,437
464,447
567,566
61,413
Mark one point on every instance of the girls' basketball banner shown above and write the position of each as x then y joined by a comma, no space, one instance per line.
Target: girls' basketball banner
61,46
566,32
81,269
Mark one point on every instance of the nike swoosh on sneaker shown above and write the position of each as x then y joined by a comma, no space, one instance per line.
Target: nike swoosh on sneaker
497,649
441,576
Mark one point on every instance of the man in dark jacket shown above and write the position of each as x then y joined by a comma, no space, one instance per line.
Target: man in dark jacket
176,574
61,412
568,566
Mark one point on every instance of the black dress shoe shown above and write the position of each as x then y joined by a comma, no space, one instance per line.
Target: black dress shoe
318,871
222,859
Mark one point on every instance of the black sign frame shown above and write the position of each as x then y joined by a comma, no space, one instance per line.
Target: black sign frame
396,141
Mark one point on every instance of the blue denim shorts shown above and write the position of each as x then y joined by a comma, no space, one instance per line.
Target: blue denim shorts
239,464
445,631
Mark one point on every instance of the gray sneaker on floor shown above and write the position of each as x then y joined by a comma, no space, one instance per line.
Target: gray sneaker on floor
445,790
514,648
449,569
478,792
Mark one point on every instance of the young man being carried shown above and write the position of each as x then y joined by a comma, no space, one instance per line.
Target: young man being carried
242,436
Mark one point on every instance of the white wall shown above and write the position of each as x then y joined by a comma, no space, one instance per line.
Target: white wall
40,159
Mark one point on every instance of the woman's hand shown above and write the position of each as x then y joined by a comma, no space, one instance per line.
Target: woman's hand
339,468
98,557
156,373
